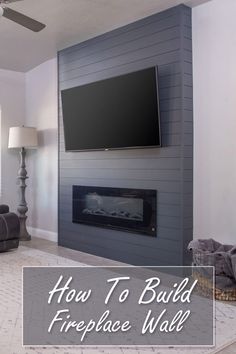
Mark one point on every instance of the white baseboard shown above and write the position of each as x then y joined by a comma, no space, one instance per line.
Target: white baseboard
47,235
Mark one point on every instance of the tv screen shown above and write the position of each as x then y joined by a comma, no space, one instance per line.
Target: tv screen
120,112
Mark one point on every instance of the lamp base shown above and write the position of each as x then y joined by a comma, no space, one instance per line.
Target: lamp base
22,208
24,235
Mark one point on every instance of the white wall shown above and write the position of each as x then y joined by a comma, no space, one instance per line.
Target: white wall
31,99
12,104
41,112
214,83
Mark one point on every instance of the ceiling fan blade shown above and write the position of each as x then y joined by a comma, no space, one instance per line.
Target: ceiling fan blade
23,20
5,2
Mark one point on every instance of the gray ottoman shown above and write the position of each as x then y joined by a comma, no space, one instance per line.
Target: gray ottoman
9,229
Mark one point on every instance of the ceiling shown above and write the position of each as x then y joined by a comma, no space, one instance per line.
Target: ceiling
68,22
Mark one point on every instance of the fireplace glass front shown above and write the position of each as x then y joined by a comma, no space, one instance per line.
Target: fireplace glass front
132,210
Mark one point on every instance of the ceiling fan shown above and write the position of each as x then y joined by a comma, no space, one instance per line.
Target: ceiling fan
19,18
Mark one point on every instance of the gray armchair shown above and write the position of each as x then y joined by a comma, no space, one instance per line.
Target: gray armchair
9,229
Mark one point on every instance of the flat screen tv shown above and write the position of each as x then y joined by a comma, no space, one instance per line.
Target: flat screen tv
119,112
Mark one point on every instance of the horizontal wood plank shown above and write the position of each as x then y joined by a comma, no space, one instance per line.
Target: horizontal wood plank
163,40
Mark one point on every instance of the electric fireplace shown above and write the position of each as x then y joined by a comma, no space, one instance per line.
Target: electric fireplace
132,210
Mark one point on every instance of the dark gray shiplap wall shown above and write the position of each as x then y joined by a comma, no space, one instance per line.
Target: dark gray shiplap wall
163,39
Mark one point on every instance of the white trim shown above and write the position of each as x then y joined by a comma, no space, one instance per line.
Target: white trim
45,234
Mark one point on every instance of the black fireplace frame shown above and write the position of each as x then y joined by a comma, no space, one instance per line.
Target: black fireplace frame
147,226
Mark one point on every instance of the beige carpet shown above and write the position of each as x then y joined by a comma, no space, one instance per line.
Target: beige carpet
11,311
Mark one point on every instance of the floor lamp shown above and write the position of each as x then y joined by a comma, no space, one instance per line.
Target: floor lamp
22,138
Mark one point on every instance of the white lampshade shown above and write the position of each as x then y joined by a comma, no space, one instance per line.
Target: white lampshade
22,137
